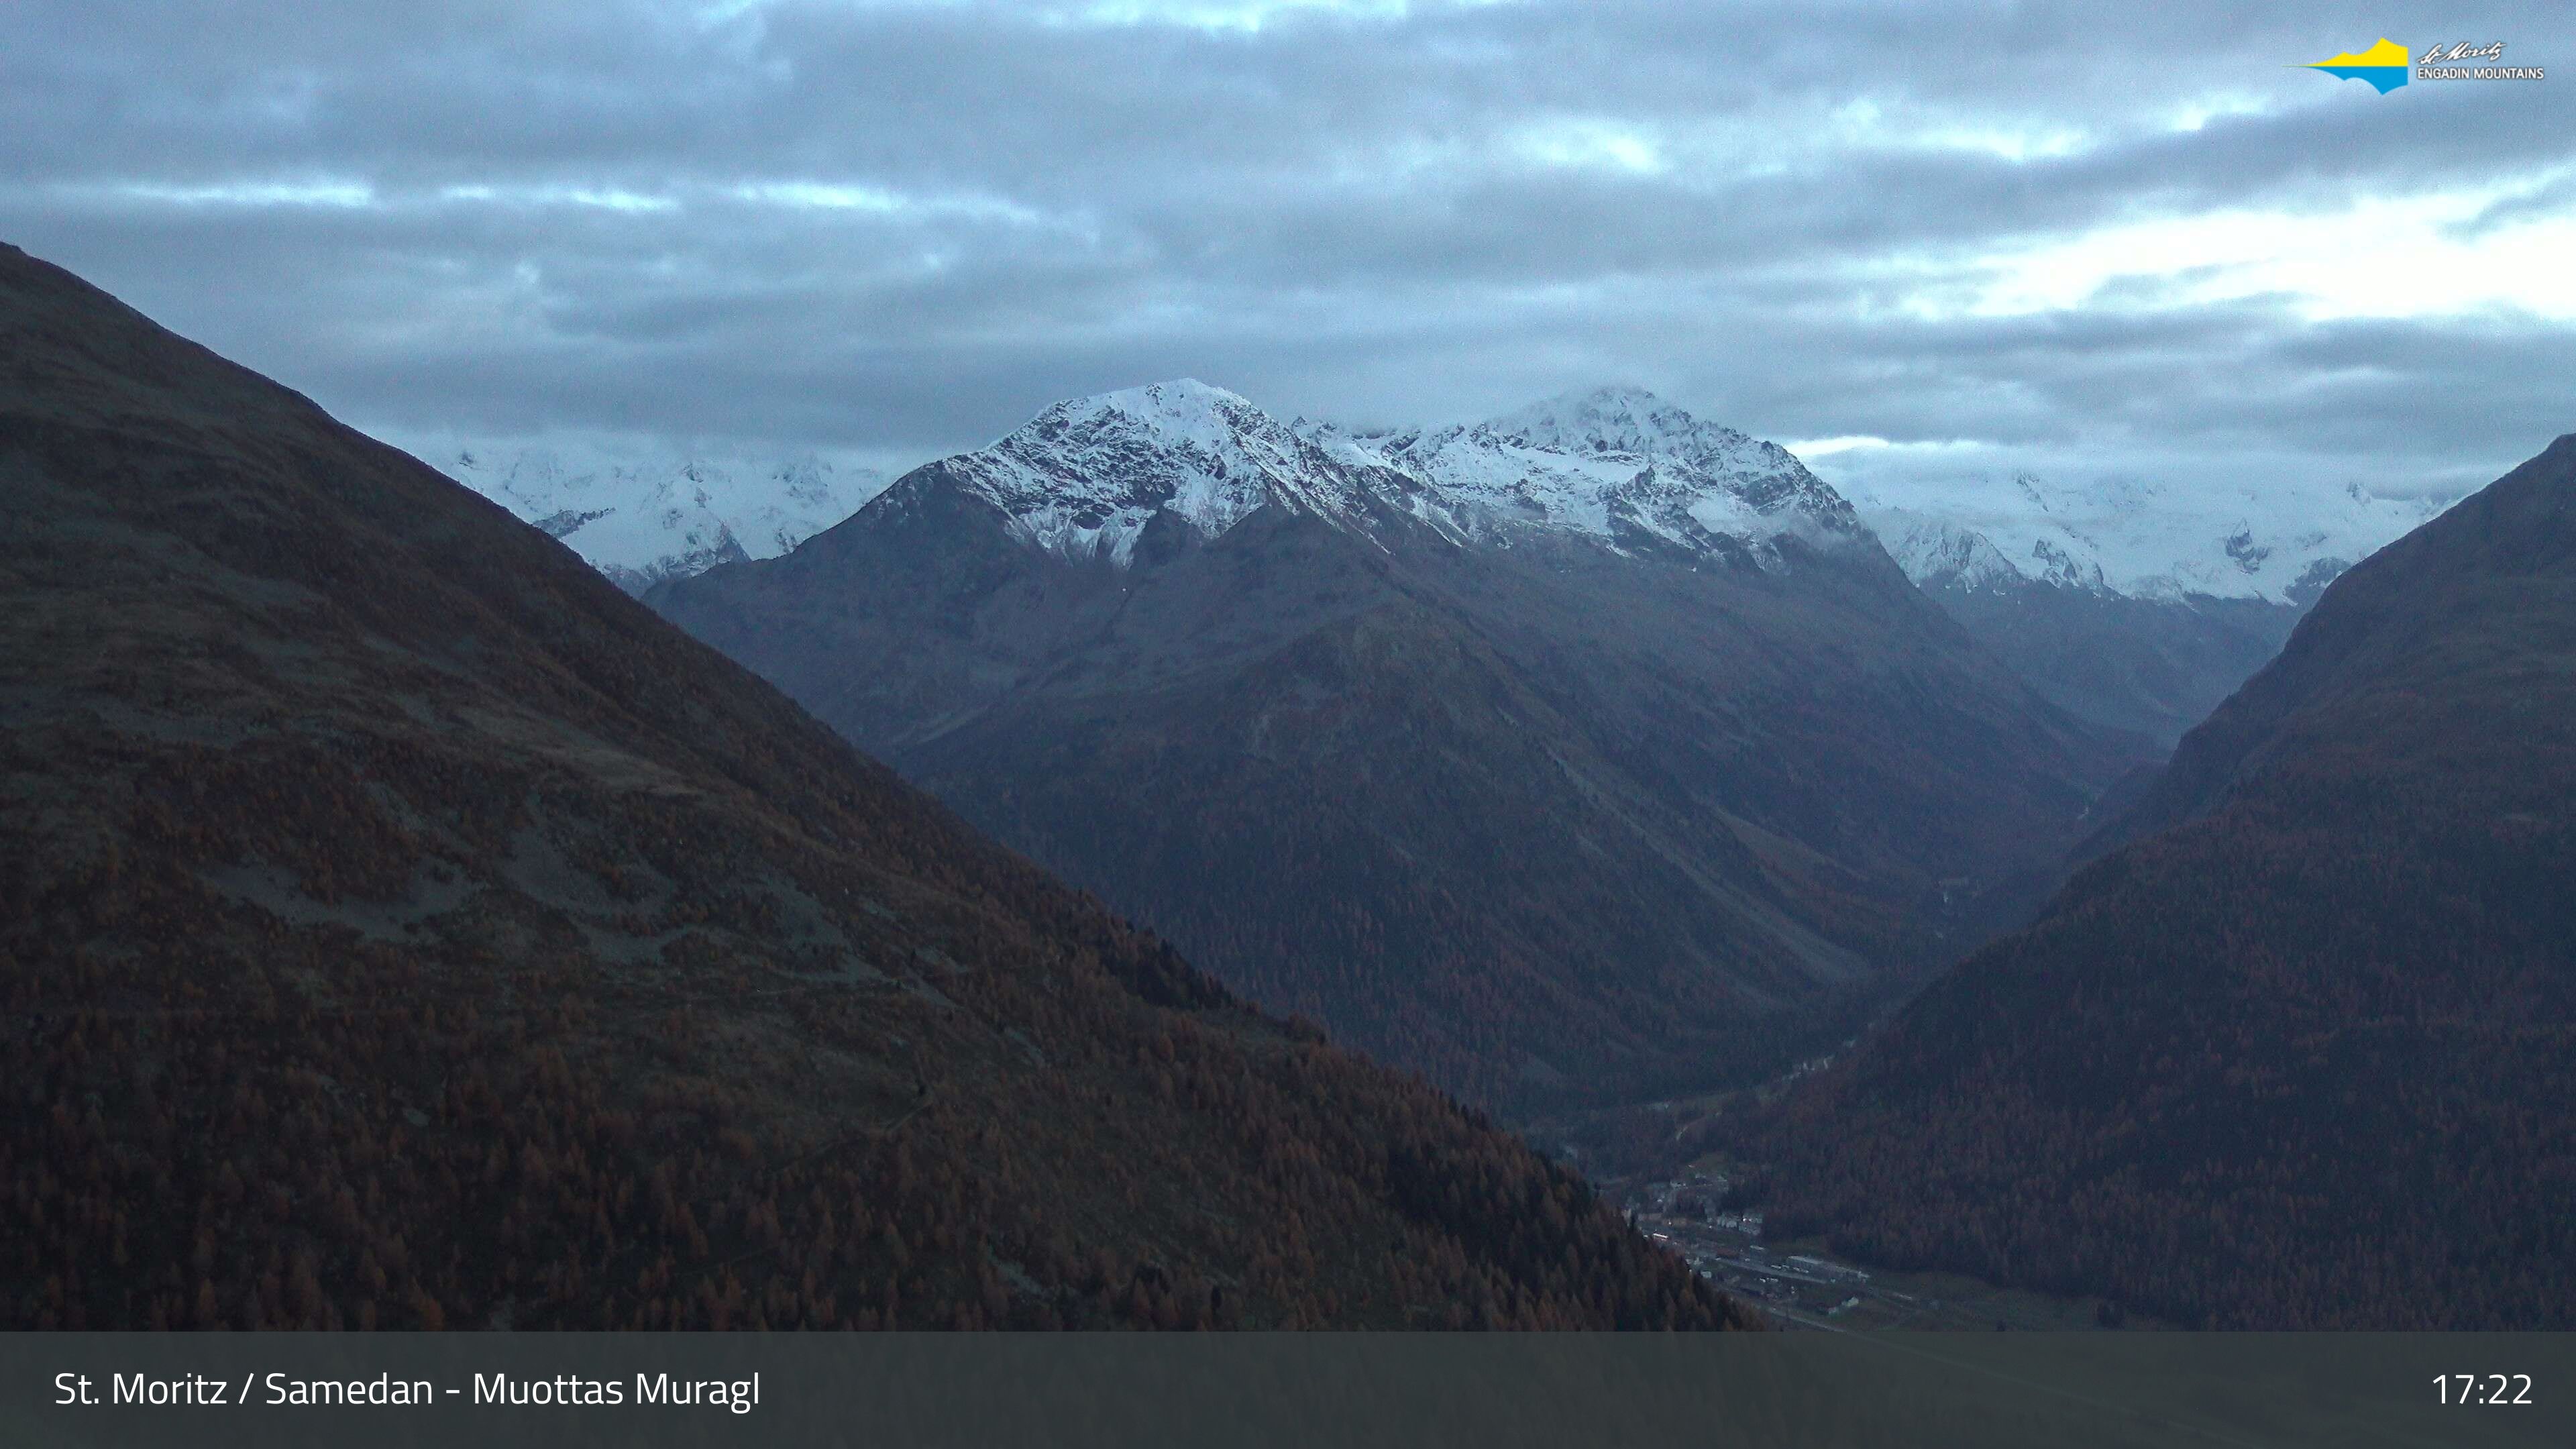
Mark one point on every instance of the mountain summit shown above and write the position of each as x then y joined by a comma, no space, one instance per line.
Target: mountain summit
1616,419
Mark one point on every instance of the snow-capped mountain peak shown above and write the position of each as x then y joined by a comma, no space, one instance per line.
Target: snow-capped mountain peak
1624,420
1935,554
1084,477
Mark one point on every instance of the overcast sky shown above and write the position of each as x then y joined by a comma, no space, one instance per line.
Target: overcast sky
1907,238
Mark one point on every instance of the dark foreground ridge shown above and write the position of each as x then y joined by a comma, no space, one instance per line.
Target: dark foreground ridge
2302,1052
401,927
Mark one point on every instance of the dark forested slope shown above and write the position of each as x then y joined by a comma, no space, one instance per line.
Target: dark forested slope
2300,1049
399,926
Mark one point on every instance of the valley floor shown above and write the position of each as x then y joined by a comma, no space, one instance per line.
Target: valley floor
1799,1285
1644,1158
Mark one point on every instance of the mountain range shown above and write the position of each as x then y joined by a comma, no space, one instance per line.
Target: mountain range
2298,1047
402,927
1591,751
2131,604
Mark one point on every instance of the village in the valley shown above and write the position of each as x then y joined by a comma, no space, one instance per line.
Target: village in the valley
1799,1286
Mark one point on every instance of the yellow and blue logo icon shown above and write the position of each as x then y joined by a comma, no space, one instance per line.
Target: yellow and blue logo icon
2383,65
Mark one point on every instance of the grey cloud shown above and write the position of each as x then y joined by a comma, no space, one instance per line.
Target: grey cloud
2543,199
1337,216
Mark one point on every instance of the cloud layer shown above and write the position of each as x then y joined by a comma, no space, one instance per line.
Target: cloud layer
1972,236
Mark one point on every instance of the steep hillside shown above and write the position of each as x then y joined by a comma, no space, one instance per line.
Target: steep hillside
2302,1051
1591,753
400,927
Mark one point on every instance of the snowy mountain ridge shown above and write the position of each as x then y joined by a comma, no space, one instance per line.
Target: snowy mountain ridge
641,521
1617,465
2134,539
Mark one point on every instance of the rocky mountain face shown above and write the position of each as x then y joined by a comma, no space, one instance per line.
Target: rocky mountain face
402,927
2131,604
640,522
2299,1049
1592,751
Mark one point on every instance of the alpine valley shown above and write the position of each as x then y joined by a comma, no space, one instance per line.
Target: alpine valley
1588,753
2298,1048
